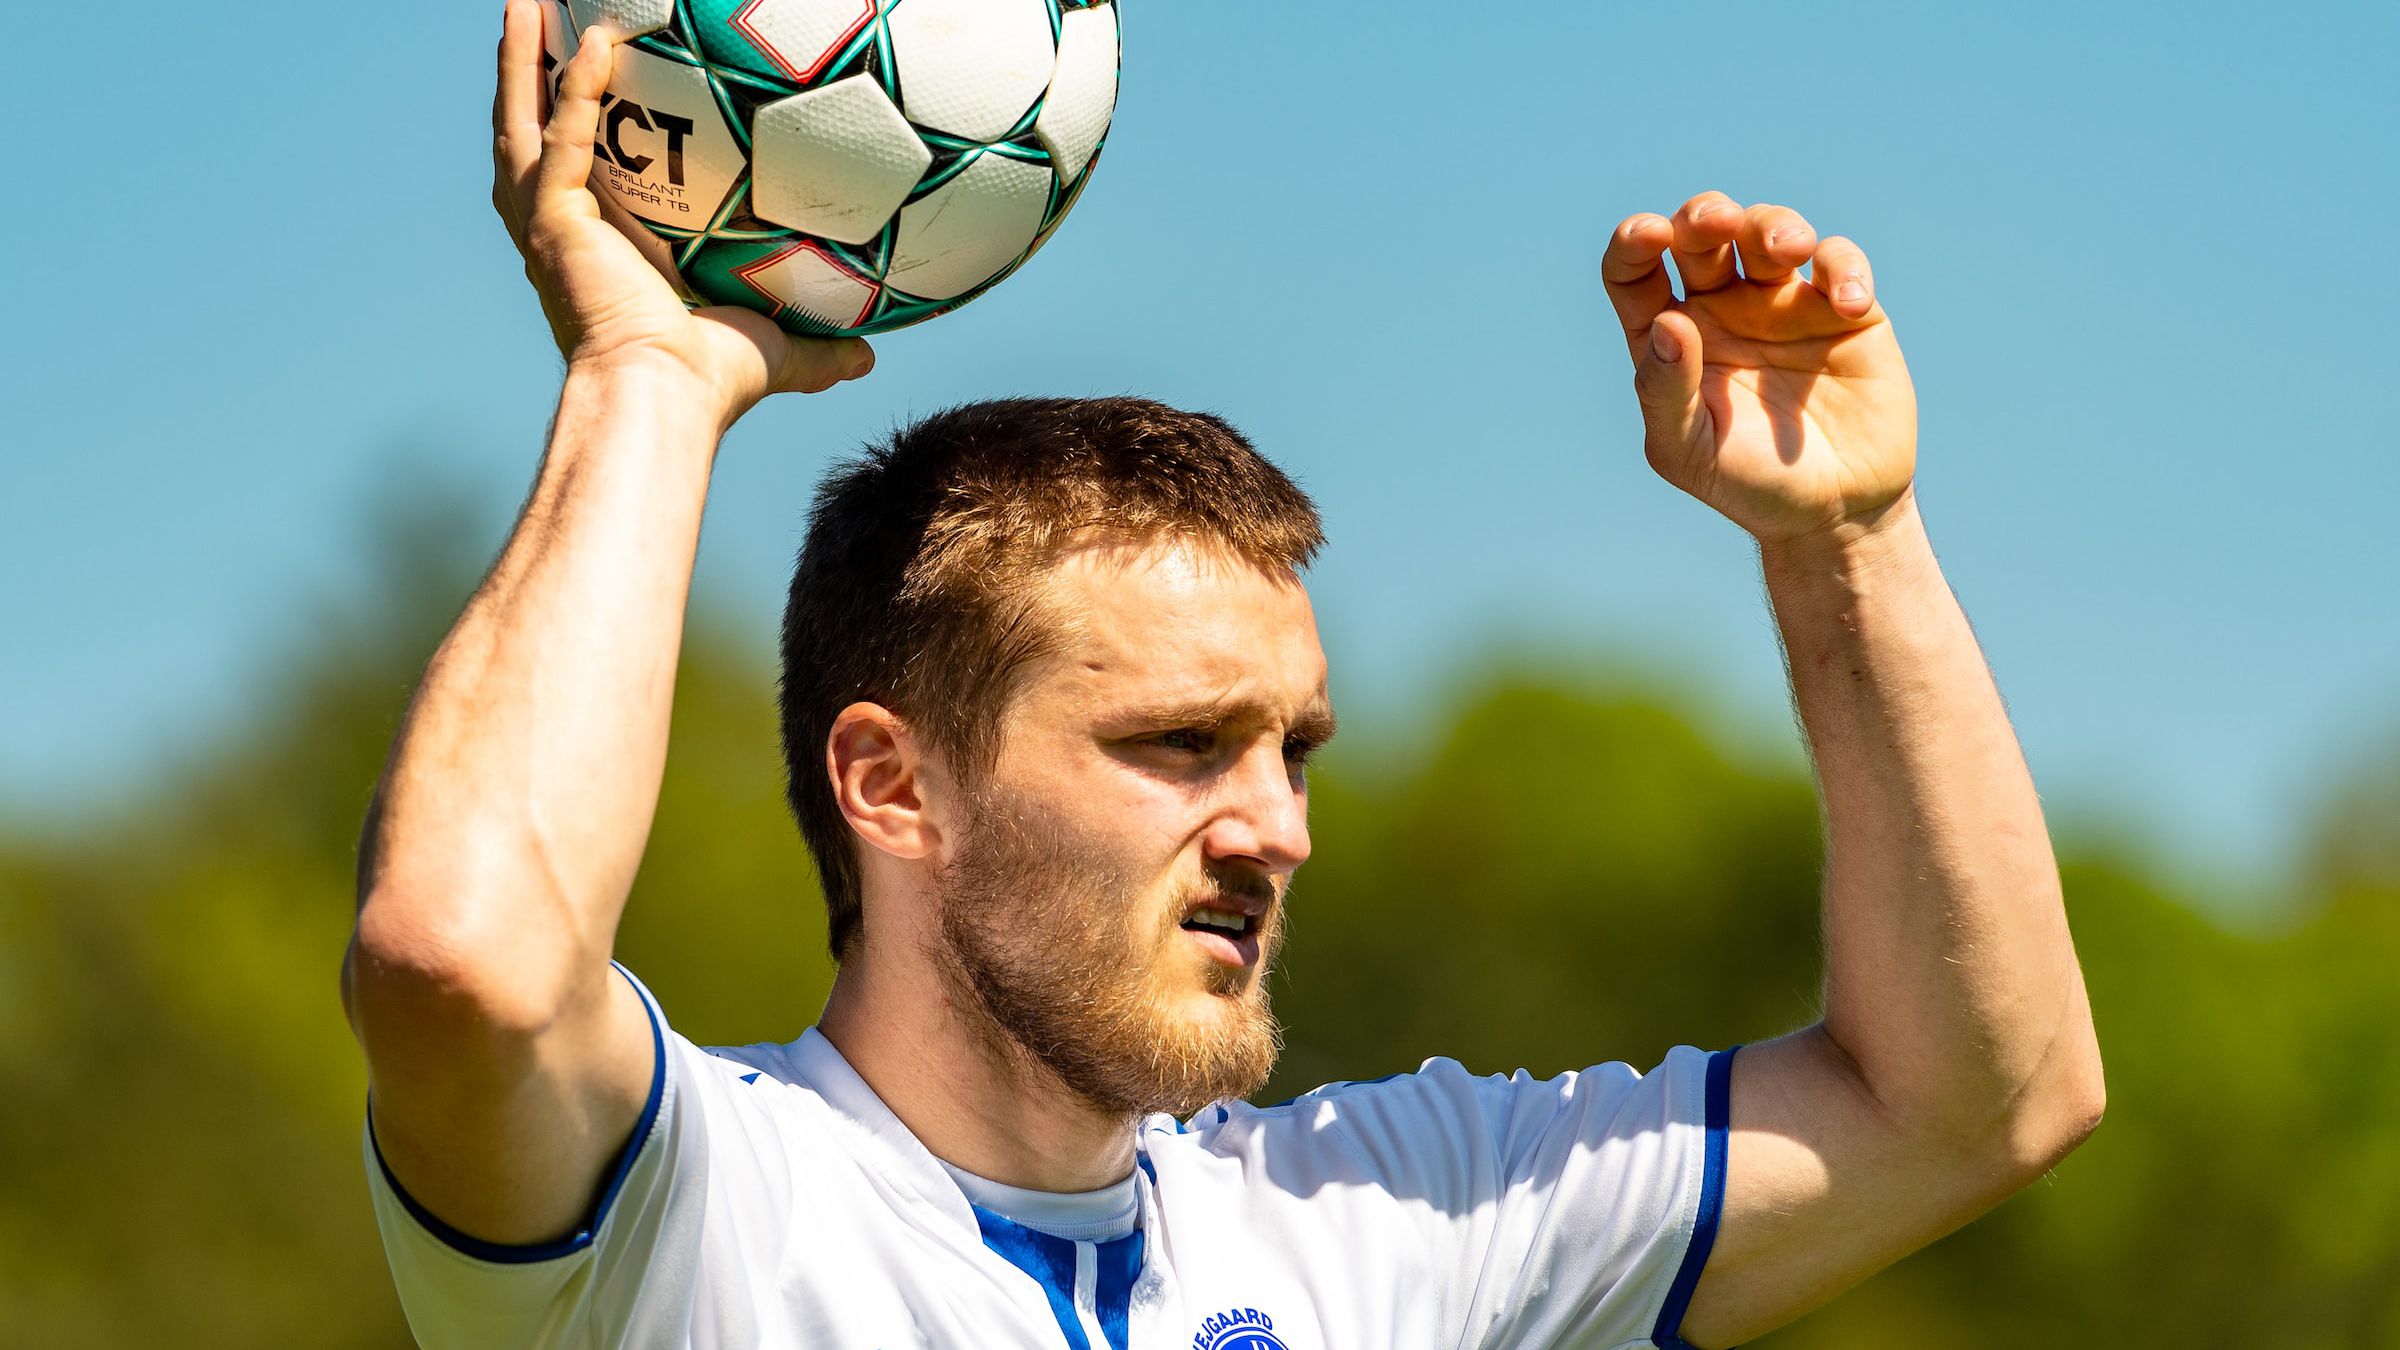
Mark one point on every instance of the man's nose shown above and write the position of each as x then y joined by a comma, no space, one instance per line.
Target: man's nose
1265,811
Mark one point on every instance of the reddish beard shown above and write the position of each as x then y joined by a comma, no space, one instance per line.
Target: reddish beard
1054,947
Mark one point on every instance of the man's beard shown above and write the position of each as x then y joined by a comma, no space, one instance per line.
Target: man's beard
1072,967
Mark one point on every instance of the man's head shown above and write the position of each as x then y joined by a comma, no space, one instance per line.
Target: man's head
1081,622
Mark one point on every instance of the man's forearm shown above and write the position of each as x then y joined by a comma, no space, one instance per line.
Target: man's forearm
1951,980
514,812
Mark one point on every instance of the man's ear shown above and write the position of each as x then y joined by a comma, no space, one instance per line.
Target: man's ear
889,788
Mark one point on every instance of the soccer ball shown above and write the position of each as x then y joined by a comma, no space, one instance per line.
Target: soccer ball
848,166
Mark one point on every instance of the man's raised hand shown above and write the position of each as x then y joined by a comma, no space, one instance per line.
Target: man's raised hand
602,278
1780,400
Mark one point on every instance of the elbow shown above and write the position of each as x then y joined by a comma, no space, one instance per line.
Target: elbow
447,969
2071,1120
2054,1116
2013,1133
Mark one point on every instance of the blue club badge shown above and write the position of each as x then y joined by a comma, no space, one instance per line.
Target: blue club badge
1238,1329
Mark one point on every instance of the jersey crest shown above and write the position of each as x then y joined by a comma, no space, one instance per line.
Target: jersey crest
1238,1329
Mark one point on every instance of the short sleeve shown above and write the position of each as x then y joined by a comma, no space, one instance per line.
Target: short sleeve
1581,1208
623,1279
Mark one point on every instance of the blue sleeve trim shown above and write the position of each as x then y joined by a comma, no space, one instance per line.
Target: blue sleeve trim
1717,1116
534,1253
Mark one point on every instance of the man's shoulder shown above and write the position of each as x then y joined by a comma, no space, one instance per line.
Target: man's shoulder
1351,1129
776,1062
1440,1115
1425,1093
790,1082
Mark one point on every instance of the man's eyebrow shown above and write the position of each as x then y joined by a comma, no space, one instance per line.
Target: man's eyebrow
1313,724
1316,724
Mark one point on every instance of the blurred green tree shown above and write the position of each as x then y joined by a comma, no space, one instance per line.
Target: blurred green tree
1566,875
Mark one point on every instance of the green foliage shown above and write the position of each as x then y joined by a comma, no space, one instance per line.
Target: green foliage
1563,877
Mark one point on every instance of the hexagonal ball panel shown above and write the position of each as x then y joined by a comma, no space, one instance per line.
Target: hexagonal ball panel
806,280
836,161
963,233
971,68
1083,95
664,150
630,18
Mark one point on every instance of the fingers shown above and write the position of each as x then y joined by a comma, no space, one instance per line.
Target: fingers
1704,233
1635,273
517,112
1774,241
1716,243
566,161
1840,270
517,96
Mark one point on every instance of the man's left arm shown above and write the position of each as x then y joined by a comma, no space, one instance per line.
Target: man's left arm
1956,1061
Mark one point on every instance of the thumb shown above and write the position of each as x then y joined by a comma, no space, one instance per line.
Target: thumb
1667,381
813,365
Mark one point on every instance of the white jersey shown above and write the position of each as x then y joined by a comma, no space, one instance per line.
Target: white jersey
769,1199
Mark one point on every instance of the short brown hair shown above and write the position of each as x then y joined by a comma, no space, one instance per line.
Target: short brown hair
916,586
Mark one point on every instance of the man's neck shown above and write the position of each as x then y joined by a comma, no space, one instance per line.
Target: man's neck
975,1102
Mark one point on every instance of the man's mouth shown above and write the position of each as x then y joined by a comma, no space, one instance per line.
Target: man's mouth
1229,936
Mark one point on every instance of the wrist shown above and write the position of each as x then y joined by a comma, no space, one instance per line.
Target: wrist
663,395
654,410
1891,535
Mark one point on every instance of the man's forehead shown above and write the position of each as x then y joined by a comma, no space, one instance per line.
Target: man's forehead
1179,623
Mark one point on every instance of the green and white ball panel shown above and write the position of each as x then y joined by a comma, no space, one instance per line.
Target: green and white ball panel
626,18
796,41
664,151
970,229
803,280
835,162
972,68
1083,94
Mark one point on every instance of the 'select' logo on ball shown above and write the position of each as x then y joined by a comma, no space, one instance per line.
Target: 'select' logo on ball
1238,1329
616,114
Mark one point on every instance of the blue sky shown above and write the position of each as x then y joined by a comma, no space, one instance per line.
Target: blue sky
2139,258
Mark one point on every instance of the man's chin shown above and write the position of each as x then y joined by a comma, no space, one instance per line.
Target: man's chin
1210,1008
1223,1044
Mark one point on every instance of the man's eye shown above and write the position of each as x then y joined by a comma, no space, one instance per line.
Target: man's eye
1190,741
1297,751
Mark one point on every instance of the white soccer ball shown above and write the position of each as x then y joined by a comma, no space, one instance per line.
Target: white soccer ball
849,166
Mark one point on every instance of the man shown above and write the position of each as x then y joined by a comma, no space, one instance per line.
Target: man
1050,683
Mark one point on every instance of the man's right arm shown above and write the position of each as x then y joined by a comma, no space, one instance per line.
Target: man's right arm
507,1063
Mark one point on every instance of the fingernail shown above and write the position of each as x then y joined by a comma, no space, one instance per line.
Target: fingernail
1849,290
1663,344
862,360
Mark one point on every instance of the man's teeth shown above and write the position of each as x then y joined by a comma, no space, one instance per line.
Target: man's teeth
1226,919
